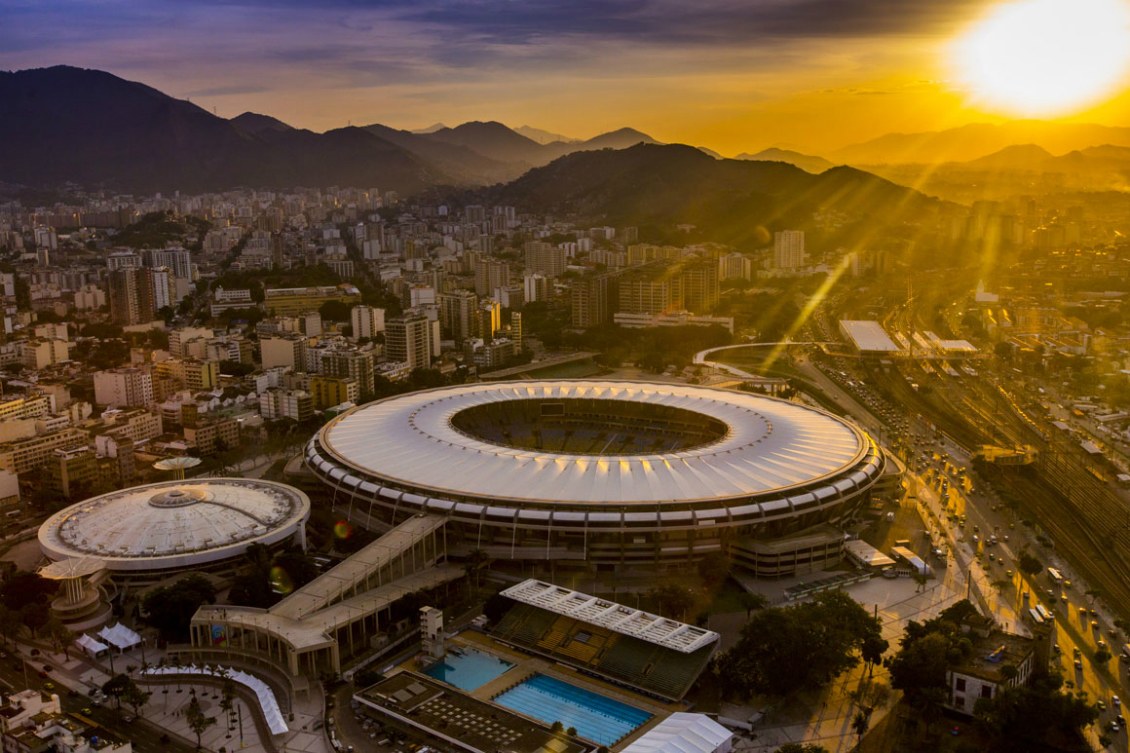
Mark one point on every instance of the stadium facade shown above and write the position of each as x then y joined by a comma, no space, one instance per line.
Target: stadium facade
597,471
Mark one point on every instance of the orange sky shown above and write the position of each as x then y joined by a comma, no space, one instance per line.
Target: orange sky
732,75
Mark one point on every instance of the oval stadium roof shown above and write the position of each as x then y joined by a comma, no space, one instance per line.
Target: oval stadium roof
768,444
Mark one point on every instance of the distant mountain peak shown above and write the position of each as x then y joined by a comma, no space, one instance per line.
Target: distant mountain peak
807,162
430,129
253,122
542,136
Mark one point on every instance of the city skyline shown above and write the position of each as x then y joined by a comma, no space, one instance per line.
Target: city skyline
734,77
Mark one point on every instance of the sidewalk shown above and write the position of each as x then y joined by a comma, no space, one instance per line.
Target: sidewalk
166,706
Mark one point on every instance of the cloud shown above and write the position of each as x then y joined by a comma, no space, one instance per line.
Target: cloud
223,91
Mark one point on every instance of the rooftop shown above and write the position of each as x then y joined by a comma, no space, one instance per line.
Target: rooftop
751,444
476,724
661,631
173,519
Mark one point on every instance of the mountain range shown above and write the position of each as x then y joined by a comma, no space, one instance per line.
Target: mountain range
653,185
66,125
88,127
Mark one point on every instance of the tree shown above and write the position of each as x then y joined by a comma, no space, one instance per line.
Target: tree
58,633
117,687
925,652
871,650
752,601
859,724
1102,656
197,720
136,697
1026,716
1028,564
170,609
672,600
801,748
714,568
335,311
810,644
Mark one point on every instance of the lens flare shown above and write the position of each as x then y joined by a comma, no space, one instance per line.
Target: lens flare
342,530
280,580
1045,57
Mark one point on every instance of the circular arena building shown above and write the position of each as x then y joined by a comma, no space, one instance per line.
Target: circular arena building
146,533
607,472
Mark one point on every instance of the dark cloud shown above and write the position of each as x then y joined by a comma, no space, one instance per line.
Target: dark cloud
664,21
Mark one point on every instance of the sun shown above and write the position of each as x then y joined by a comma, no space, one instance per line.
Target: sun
1044,57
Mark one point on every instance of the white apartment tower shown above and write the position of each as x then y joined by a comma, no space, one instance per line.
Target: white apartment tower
367,321
123,388
788,249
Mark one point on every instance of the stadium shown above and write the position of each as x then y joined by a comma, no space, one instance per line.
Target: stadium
145,533
597,472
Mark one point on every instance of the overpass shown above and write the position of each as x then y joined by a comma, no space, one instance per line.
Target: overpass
304,634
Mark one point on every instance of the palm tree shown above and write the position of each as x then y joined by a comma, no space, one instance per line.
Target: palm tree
859,723
197,721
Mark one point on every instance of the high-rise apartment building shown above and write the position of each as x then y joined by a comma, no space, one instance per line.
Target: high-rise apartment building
120,388
701,291
652,292
457,312
367,321
178,260
544,258
489,319
356,365
535,287
788,249
409,339
126,297
593,299
490,274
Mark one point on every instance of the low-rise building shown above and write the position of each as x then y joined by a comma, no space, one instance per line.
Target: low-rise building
999,660
279,403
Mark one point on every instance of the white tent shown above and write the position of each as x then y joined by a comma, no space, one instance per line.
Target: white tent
120,636
91,646
684,733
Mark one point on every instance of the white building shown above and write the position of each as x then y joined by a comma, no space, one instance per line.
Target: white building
788,250
367,321
126,387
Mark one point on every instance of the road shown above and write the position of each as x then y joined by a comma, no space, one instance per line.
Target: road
145,737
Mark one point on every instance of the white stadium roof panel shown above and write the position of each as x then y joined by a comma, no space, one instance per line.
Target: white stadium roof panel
410,442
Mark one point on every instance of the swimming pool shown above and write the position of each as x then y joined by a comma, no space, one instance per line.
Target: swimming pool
597,718
468,669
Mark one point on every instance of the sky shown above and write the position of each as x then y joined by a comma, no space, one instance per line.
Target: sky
732,75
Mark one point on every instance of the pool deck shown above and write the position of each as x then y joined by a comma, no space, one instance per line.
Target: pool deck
526,665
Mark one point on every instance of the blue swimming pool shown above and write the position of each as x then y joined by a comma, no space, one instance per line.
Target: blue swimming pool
468,669
597,718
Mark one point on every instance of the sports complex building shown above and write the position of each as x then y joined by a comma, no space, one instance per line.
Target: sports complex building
144,534
603,472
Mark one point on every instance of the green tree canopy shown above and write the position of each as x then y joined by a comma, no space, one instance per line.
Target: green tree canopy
787,649
197,720
1029,716
170,608
926,650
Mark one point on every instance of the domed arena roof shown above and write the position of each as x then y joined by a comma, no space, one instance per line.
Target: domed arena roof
175,524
